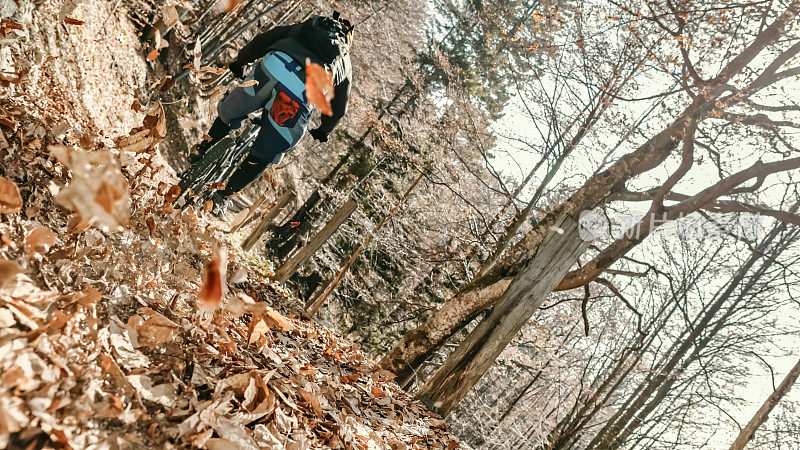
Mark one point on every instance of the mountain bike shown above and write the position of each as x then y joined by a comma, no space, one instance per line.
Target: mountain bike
212,171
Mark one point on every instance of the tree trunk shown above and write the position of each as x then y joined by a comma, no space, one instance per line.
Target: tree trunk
558,252
624,422
416,346
762,414
316,302
269,216
305,253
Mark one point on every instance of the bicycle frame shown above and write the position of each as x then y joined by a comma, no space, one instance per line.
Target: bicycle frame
216,166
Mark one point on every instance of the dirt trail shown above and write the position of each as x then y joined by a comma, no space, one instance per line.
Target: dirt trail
102,341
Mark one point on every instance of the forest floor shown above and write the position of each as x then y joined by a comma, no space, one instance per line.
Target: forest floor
104,340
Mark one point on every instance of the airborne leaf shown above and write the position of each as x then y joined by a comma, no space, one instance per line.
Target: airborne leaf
212,289
10,198
319,87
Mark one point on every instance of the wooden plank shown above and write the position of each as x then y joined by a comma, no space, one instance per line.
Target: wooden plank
305,253
249,216
267,219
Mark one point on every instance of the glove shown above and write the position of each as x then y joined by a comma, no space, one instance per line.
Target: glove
319,135
236,69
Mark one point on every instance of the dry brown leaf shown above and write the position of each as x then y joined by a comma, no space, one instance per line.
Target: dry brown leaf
108,197
98,190
39,240
377,392
8,271
153,328
209,69
137,142
172,194
153,55
249,83
136,106
151,225
319,87
210,294
257,328
242,304
276,320
10,198
312,401
163,393
156,120
8,24
87,297
165,84
71,21
230,5
76,224
170,15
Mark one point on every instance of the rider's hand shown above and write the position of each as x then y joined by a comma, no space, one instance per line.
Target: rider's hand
319,135
236,69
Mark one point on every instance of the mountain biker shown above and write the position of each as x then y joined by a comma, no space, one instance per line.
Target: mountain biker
279,90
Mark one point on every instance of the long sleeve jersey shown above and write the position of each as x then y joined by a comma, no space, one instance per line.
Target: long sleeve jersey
284,38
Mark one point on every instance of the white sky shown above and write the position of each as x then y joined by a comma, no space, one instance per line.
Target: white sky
585,162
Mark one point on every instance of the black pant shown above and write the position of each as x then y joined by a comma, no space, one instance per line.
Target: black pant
248,172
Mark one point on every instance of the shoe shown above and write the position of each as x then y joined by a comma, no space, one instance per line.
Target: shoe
198,151
219,205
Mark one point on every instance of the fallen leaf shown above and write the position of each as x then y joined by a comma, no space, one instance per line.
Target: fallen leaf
242,304
172,194
39,241
165,84
170,15
210,294
88,297
152,328
312,401
8,271
153,55
377,392
76,224
136,106
214,70
151,225
71,21
276,320
230,5
163,393
10,198
8,24
319,87
156,120
249,83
